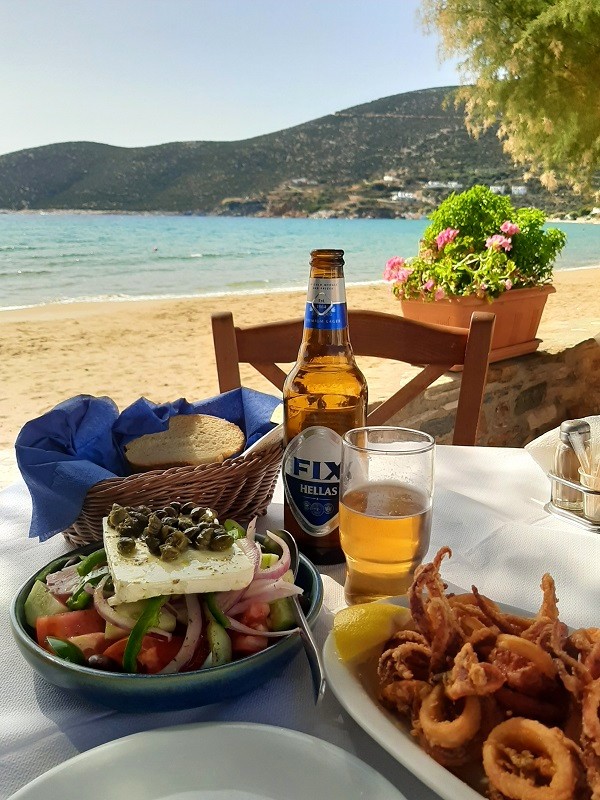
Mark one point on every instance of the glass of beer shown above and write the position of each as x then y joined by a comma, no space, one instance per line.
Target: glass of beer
386,493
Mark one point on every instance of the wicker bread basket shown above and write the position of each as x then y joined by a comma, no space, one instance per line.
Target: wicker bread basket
239,489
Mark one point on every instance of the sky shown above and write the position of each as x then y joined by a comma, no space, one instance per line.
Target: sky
141,72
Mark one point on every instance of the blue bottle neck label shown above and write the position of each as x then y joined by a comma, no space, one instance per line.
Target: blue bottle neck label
326,304
311,479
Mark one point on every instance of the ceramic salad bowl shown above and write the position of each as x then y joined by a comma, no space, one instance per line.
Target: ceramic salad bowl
162,692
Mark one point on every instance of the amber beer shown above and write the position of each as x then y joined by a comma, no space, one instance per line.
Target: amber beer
384,534
325,392
386,498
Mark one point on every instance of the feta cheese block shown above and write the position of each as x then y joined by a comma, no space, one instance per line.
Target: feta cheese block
141,574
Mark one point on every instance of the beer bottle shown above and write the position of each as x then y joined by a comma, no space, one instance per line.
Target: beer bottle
324,392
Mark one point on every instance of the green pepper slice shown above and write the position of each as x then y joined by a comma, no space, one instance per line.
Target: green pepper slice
80,599
215,611
66,650
148,619
92,561
234,528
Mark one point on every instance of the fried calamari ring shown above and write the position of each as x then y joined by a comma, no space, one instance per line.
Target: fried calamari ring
405,697
590,719
529,650
525,760
441,727
523,705
470,676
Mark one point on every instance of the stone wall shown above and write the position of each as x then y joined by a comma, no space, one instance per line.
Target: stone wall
524,397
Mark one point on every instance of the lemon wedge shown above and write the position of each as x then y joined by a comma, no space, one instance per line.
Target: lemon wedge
358,631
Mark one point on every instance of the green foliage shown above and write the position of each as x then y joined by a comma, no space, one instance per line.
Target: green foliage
478,244
533,66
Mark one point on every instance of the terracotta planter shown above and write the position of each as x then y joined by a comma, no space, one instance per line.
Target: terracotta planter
518,313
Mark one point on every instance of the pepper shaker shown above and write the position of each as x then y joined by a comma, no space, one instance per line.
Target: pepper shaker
566,465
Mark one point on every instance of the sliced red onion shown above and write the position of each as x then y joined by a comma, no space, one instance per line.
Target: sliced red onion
225,600
282,590
239,626
280,567
65,581
192,635
257,588
108,613
252,551
251,529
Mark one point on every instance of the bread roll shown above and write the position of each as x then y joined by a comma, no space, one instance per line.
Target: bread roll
190,440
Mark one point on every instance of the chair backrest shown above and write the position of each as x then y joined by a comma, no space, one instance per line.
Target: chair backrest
437,348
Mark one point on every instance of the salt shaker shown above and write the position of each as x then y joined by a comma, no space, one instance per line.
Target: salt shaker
566,465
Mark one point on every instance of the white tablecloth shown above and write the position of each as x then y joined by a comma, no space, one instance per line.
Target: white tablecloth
488,507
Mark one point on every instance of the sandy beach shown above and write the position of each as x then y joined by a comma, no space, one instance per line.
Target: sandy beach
163,349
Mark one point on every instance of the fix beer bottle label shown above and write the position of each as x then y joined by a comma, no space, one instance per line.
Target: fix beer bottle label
311,479
326,304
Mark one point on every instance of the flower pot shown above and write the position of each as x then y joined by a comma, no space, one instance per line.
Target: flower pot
518,313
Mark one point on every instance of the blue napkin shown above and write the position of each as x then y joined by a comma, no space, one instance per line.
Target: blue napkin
80,442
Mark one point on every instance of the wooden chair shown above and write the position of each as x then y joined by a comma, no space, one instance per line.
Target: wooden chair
372,333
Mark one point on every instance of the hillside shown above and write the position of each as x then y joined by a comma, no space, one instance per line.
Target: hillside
349,163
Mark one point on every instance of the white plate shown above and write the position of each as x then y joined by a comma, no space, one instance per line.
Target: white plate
357,694
221,761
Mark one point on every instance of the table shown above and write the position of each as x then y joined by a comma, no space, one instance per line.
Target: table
488,507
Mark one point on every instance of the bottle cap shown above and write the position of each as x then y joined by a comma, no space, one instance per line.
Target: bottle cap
579,426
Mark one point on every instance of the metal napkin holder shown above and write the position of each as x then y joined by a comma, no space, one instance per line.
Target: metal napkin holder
573,516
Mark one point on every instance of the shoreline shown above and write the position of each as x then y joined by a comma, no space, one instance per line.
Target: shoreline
98,300
163,349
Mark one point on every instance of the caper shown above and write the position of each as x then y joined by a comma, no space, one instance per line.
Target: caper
221,541
176,506
126,545
168,552
126,528
171,521
203,538
153,543
184,522
177,539
196,513
161,513
166,530
209,515
169,511
117,515
144,510
104,663
186,508
154,523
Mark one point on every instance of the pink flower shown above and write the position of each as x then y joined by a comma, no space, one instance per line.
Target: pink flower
508,284
445,237
509,228
403,274
439,294
392,267
428,285
497,242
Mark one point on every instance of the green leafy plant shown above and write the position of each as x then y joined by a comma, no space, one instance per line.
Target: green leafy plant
477,244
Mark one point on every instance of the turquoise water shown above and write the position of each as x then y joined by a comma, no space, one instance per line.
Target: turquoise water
47,258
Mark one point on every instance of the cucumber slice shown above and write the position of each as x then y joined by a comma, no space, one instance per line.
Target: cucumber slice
41,603
219,642
281,615
268,560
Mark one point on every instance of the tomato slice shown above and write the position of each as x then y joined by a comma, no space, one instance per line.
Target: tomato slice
256,615
155,653
68,624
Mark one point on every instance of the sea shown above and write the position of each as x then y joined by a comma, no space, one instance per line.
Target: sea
50,257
